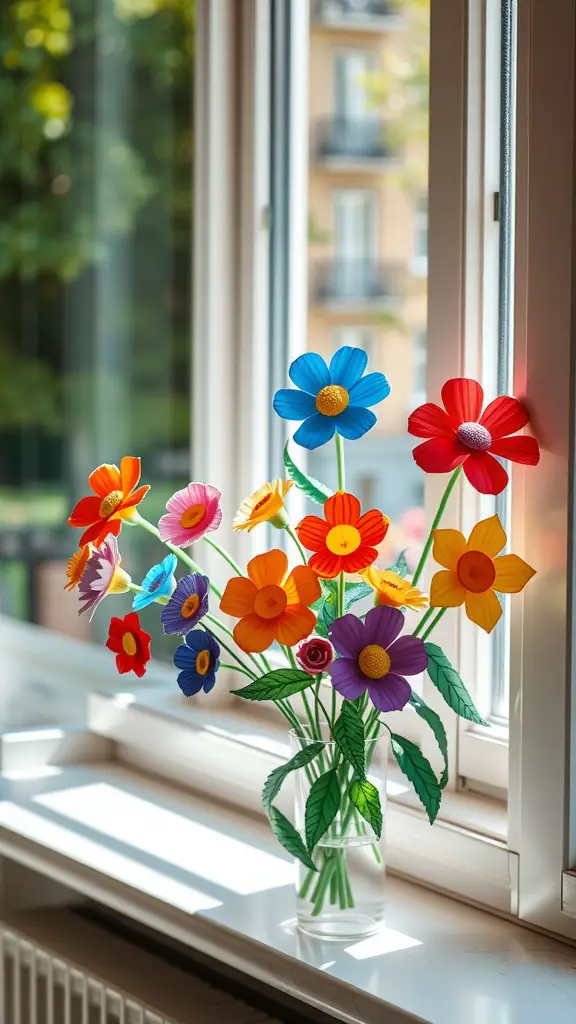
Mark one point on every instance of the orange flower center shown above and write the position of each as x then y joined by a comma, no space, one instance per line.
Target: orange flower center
202,662
191,605
343,540
476,571
374,661
270,602
260,504
332,400
192,516
110,503
129,644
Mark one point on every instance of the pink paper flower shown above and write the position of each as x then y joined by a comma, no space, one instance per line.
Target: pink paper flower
315,655
191,512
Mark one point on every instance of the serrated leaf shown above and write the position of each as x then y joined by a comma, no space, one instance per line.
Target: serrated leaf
437,726
348,733
290,839
321,629
400,566
366,800
356,592
276,777
307,484
321,807
282,682
418,770
447,680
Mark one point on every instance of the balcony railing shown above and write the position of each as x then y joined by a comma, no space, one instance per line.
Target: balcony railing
355,282
357,13
341,140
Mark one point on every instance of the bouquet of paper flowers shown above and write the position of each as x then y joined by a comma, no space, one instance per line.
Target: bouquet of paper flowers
300,641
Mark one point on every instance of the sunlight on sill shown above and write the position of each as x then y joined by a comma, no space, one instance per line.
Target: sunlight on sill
37,734
258,741
387,941
43,771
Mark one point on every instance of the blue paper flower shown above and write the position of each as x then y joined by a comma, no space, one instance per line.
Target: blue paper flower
198,658
334,399
159,581
188,604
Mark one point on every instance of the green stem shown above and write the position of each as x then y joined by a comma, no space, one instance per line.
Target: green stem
236,668
292,533
441,508
340,462
423,621
229,650
150,528
434,623
224,554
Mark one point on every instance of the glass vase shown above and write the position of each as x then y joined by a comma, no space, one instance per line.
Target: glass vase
344,898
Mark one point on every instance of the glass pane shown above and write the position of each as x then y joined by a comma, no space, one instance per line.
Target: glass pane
368,188
95,272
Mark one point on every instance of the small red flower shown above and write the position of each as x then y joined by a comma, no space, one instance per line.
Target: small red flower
130,644
464,435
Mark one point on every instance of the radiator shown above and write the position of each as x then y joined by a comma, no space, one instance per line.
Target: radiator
56,968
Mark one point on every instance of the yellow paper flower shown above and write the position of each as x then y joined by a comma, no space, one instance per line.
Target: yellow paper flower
392,590
473,572
264,506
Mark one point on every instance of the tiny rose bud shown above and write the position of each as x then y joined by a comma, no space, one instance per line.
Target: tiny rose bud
315,655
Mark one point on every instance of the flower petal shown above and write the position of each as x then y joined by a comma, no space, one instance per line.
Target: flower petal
524,450
440,454
354,422
190,682
483,609
347,366
129,473
359,559
382,625
268,569
342,508
347,678
85,512
315,431
309,373
104,479
446,591
449,546
487,536
485,473
253,634
325,564
312,532
294,625
391,693
373,526
373,388
132,499
512,574
302,586
408,656
429,420
294,405
238,597
348,635
504,416
463,400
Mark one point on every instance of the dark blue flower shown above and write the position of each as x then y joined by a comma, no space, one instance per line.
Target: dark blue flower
331,399
159,581
198,658
188,604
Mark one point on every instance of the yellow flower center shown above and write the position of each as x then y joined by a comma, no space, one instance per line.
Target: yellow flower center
129,644
270,601
192,516
374,661
343,540
202,662
332,400
260,504
476,571
191,605
110,503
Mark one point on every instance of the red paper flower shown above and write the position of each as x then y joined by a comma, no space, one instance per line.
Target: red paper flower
130,644
464,435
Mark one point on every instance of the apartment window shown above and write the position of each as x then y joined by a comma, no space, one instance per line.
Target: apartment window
351,71
357,336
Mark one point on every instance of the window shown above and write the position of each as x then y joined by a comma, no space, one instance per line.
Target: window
418,368
420,256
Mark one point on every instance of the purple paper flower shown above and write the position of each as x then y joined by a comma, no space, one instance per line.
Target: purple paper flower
103,575
188,604
374,657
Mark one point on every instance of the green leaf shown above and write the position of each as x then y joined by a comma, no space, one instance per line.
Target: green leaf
366,800
436,724
321,807
418,770
308,485
276,778
290,839
356,592
348,733
321,628
400,566
446,679
282,682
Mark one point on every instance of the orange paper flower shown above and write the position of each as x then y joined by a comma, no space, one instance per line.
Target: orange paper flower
270,605
265,505
115,500
76,566
343,541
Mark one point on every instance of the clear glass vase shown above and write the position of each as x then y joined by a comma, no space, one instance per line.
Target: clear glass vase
344,898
